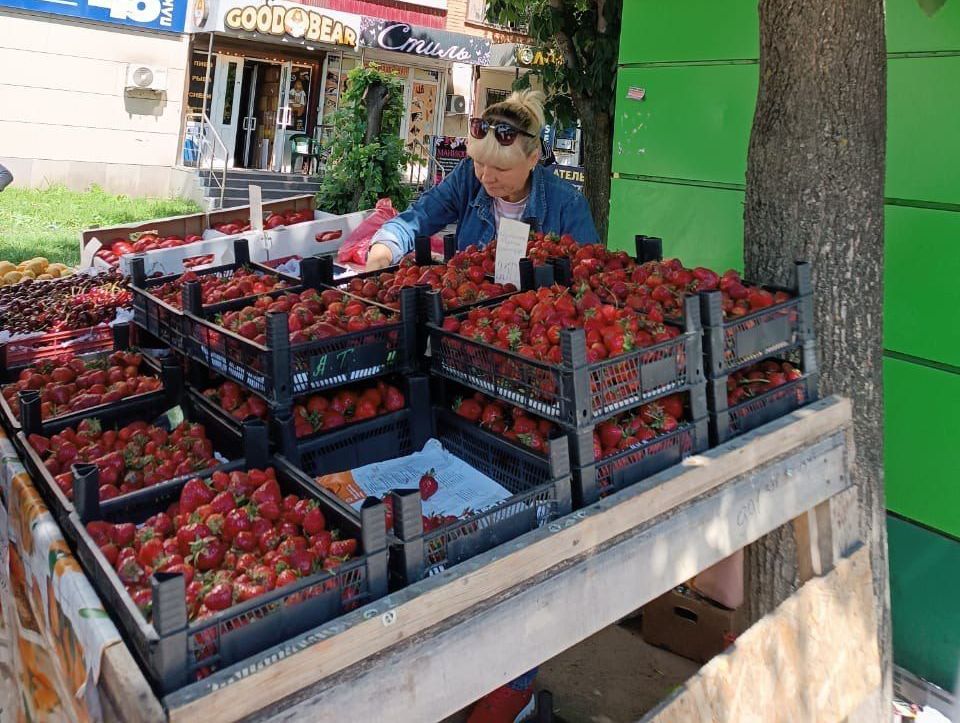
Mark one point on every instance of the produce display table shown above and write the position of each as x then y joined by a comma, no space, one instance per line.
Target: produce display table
432,648
54,633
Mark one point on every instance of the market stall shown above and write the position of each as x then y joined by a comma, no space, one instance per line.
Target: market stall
282,488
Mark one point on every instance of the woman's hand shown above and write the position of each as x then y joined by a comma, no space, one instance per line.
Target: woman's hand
378,257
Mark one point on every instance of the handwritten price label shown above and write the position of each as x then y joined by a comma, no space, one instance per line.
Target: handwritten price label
344,363
512,238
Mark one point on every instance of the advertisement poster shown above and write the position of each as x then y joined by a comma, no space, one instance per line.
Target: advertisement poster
449,151
198,78
571,174
423,108
299,95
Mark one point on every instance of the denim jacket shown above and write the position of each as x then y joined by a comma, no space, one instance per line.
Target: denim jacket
553,206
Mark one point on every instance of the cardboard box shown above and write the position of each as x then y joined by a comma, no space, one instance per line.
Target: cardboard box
689,625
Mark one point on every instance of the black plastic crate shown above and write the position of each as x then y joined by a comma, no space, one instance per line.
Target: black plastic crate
364,442
575,393
541,493
174,652
279,371
727,422
20,354
28,411
168,323
224,442
592,478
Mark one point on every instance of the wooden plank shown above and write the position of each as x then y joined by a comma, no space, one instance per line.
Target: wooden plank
127,692
288,668
814,658
814,534
437,673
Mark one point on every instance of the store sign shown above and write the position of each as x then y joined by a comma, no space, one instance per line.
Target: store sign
534,57
435,4
294,21
424,42
198,81
168,15
572,175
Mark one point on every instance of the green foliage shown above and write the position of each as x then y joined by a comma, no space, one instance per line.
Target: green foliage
376,169
588,47
47,221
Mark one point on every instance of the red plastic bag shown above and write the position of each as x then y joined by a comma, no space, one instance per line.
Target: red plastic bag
355,248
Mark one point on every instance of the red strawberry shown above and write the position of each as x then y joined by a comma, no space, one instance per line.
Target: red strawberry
313,522
343,548
194,494
428,485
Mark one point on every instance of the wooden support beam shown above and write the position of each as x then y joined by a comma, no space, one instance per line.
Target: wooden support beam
814,658
435,674
128,696
290,668
814,532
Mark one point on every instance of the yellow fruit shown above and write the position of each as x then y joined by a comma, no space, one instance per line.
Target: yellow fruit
42,259
52,273
45,277
6,266
28,274
12,277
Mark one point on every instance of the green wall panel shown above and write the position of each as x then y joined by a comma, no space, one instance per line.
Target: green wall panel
694,122
921,288
910,29
924,589
665,30
920,443
923,129
702,226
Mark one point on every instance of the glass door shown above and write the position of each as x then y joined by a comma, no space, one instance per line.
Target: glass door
284,119
224,114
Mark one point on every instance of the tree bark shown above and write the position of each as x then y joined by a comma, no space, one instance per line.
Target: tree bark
597,157
815,175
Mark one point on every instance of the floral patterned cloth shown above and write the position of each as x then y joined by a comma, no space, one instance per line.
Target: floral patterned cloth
53,628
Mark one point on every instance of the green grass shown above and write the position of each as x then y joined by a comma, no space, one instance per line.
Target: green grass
47,222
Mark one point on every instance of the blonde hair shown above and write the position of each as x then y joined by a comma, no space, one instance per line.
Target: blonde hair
523,110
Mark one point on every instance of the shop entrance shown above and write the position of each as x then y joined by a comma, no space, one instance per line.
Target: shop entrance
258,105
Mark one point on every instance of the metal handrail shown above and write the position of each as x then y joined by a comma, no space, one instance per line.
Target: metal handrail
210,143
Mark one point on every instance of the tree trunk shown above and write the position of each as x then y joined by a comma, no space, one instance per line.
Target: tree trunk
597,143
815,177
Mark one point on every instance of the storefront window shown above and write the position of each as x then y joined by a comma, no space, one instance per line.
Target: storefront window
228,99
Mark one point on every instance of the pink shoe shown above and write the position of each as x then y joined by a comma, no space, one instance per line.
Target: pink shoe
504,705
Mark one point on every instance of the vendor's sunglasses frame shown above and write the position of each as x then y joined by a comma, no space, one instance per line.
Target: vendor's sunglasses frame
505,133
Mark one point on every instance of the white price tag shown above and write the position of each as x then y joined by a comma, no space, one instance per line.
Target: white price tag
256,208
512,238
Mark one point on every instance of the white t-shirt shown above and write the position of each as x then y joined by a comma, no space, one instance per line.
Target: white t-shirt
508,209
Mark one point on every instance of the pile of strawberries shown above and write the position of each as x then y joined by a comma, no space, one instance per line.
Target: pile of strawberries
758,379
657,288
215,289
638,426
233,537
72,384
318,412
138,455
459,283
506,420
310,316
529,323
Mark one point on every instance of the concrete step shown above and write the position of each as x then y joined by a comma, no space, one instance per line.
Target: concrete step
260,176
293,187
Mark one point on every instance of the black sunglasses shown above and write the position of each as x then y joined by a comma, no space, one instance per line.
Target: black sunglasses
505,133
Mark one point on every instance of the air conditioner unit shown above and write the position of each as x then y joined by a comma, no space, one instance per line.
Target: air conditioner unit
456,105
146,78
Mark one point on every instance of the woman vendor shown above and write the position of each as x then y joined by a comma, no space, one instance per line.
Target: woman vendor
501,178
